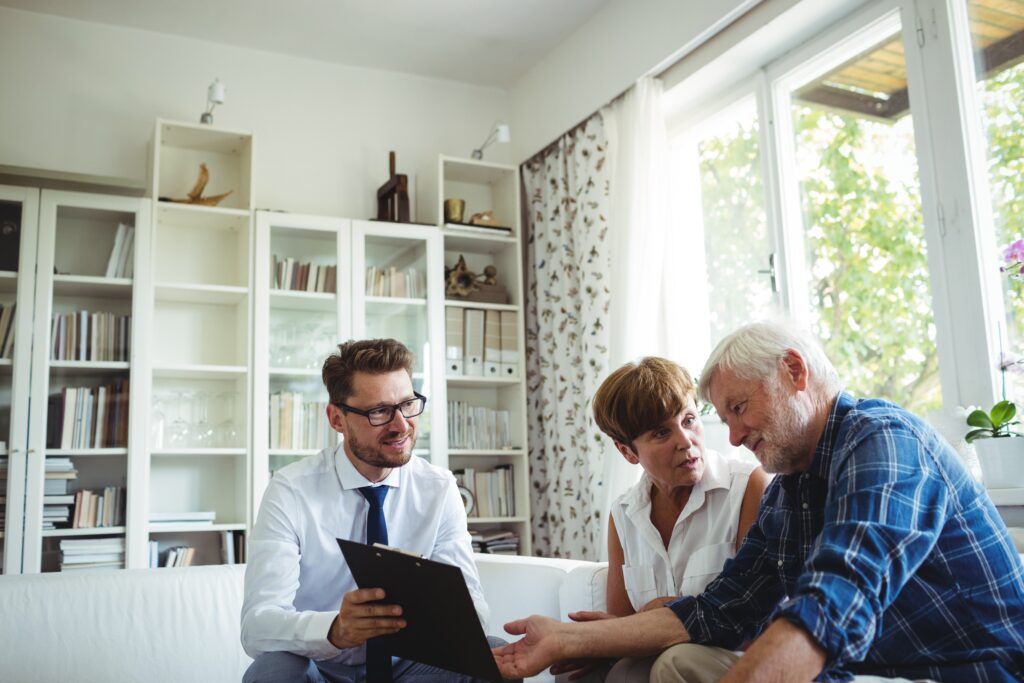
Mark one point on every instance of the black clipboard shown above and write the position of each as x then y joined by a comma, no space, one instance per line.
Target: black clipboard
442,628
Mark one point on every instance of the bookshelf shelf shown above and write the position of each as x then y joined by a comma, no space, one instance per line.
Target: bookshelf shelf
199,372
211,452
483,453
94,531
294,452
200,294
294,372
86,452
86,366
474,382
303,301
89,286
192,528
456,239
6,363
171,211
462,303
388,305
498,520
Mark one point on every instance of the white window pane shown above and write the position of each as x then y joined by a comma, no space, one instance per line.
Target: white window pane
866,266
997,31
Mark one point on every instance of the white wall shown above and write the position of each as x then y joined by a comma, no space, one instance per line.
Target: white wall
82,97
622,42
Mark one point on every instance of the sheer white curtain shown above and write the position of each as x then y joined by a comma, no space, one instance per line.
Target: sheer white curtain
644,263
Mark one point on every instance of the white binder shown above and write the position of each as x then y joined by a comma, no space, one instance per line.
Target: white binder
492,344
454,340
509,366
473,362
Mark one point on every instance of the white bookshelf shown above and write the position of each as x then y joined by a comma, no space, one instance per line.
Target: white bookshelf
76,235
195,447
486,186
417,321
295,331
17,287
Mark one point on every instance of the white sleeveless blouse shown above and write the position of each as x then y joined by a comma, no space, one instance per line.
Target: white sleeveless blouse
703,538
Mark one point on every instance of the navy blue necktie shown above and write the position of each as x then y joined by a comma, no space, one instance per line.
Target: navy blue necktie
378,661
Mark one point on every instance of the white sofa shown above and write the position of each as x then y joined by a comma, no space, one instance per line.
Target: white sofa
183,624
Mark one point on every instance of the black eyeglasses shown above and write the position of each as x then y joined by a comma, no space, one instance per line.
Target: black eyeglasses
381,415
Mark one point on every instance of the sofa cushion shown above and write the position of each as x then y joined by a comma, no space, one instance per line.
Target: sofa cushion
154,625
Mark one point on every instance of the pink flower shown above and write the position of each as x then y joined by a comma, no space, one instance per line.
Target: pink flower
1015,252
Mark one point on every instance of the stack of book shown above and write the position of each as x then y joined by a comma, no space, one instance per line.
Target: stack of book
496,542
82,335
304,276
99,508
297,423
493,492
57,500
177,519
88,554
120,264
7,330
409,283
87,417
477,427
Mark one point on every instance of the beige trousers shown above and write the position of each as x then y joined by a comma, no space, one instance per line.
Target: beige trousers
691,663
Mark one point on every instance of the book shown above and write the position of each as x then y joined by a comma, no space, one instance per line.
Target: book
115,251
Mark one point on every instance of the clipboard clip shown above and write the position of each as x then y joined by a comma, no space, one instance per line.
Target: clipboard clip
399,550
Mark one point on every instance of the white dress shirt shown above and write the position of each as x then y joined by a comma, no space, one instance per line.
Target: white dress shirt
296,575
703,538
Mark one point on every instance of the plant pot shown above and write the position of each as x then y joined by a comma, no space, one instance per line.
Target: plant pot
1002,462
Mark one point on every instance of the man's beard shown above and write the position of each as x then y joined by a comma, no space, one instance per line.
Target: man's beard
784,447
373,456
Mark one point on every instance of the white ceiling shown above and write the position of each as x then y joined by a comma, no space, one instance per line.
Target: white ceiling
486,42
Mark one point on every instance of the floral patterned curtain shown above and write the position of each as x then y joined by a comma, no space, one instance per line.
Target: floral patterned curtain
567,338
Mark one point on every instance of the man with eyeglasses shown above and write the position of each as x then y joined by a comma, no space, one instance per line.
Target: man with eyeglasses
303,618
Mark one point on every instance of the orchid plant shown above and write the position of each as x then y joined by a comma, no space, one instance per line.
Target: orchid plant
1013,259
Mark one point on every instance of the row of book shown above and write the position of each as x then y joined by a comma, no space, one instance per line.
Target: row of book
492,493
58,475
89,417
409,283
495,541
298,423
93,509
90,554
7,330
82,335
304,276
120,263
232,551
481,343
478,427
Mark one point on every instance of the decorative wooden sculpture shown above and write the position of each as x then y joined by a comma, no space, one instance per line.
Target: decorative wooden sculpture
462,283
195,196
393,196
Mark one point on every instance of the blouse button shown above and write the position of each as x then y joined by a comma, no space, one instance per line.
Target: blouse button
780,563
805,506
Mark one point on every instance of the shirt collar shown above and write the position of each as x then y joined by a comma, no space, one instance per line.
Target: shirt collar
716,476
350,478
822,462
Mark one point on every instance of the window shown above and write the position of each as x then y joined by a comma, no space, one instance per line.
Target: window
997,34
865,256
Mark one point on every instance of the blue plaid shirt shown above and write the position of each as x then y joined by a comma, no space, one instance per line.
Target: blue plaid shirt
886,551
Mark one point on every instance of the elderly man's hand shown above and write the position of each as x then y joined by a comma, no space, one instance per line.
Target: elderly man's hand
540,647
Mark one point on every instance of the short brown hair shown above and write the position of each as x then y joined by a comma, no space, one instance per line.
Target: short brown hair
640,396
373,356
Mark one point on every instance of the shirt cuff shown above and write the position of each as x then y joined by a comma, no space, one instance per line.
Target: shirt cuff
688,611
315,636
807,613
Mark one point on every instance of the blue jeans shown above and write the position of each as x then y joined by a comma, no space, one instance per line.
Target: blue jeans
272,667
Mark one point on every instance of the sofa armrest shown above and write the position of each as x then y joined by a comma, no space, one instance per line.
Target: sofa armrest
584,589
